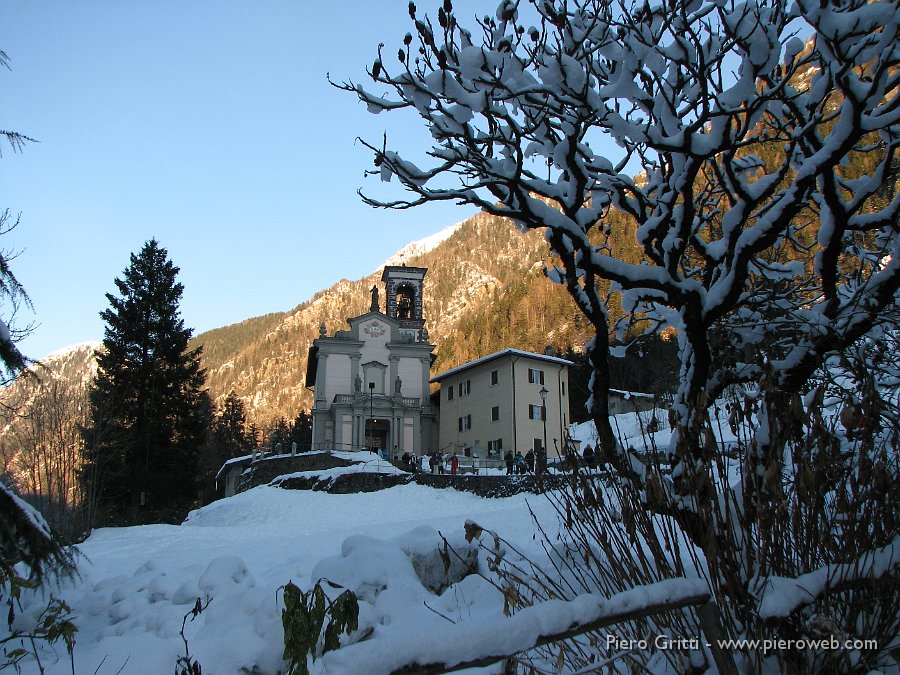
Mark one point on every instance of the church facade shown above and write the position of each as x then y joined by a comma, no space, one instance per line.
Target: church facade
371,382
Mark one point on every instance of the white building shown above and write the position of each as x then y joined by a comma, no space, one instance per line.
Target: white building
510,400
371,382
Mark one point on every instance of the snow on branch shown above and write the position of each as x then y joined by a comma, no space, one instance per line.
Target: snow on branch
735,138
782,595
479,643
26,538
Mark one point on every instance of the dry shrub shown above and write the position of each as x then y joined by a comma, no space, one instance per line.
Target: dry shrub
751,516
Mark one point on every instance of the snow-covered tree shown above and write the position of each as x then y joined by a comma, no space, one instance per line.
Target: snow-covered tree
13,295
754,144
752,148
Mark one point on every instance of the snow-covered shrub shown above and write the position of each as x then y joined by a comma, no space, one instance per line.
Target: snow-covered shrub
804,550
750,150
439,563
30,559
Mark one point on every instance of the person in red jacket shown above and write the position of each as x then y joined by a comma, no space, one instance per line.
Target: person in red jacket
454,464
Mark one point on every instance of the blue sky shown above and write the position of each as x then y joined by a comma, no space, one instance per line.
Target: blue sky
206,124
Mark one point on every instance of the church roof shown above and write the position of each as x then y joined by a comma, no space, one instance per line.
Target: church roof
499,355
402,270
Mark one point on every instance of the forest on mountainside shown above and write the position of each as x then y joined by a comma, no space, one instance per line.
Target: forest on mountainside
485,291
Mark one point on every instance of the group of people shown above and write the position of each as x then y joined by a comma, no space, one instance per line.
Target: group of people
531,462
437,463
534,462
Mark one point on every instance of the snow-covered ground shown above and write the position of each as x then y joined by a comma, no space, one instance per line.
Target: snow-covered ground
636,430
137,583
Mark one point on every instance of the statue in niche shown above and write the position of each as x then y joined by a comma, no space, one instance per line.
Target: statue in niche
374,306
357,384
397,384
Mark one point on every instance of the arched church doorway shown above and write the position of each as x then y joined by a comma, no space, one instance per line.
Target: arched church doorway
377,434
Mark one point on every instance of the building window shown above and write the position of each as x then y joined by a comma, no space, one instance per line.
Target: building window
465,422
495,413
465,388
495,377
535,376
563,388
534,412
495,447
450,393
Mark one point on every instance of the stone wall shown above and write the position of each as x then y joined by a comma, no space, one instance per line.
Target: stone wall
267,469
483,486
276,471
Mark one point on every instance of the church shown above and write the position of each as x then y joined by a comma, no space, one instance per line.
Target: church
371,382
372,387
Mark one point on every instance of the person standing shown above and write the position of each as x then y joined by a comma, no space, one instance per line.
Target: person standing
508,458
529,461
540,464
589,456
454,464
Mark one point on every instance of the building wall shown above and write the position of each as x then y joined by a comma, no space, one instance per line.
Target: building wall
373,350
629,402
409,370
509,398
338,378
556,382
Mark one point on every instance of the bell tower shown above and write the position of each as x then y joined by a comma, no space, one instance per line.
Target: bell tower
403,288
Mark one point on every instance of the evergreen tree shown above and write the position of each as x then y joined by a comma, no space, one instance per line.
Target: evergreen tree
24,535
230,428
228,438
301,431
280,435
149,411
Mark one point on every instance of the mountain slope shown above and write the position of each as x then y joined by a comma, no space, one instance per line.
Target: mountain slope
474,268
484,291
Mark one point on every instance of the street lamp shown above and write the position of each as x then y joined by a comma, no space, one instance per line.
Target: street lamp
543,394
371,417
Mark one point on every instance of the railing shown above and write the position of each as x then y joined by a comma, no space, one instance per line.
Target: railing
477,464
347,399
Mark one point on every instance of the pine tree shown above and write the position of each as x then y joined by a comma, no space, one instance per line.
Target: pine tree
24,535
280,436
301,430
149,411
230,428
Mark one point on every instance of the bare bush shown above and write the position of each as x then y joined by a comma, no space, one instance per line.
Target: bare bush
44,451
